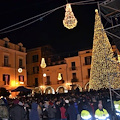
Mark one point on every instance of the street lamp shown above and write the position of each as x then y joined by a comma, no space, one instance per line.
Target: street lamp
20,70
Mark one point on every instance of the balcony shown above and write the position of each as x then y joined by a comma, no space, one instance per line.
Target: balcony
60,81
35,72
74,80
73,68
48,83
22,67
6,65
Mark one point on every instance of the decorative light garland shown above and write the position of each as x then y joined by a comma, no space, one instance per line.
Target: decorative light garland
69,20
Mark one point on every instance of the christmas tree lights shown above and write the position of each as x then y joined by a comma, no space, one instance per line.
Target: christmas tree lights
104,68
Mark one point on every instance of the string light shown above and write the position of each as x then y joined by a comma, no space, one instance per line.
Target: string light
43,64
69,20
104,68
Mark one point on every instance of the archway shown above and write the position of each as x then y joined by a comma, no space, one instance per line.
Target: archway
87,86
37,90
49,90
61,89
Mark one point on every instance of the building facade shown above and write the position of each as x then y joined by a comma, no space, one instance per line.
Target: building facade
74,71
13,57
34,71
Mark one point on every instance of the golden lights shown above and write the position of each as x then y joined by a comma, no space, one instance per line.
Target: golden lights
20,70
69,20
43,64
104,69
59,76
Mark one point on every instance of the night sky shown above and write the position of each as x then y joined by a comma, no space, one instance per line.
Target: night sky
49,30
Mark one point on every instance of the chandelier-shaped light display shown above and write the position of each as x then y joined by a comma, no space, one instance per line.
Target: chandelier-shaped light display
43,64
69,20
59,76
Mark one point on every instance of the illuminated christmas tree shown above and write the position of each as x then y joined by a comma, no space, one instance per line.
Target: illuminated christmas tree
104,68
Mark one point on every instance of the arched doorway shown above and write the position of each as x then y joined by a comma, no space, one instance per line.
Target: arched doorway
61,89
87,86
49,90
37,90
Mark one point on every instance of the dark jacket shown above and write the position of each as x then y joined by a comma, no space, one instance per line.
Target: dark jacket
17,112
33,115
51,111
72,112
58,112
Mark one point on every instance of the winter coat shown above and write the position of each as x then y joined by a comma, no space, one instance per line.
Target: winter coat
17,112
51,111
34,115
72,112
63,111
58,112
3,110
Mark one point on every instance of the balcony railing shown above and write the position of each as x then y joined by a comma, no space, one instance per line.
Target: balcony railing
47,83
60,81
73,68
6,65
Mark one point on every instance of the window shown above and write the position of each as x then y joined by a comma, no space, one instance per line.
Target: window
73,65
48,80
6,79
74,79
35,58
74,75
89,73
88,60
6,44
6,60
20,63
36,70
21,78
36,82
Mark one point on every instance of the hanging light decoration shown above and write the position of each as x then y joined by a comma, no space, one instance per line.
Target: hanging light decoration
43,64
69,20
59,76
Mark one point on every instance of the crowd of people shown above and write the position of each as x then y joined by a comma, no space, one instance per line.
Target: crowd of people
93,105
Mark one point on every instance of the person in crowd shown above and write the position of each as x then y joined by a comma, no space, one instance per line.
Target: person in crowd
4,114
85,113
101,113
72,112
63,112
40,107
58,112
51,111
34,115
17,111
